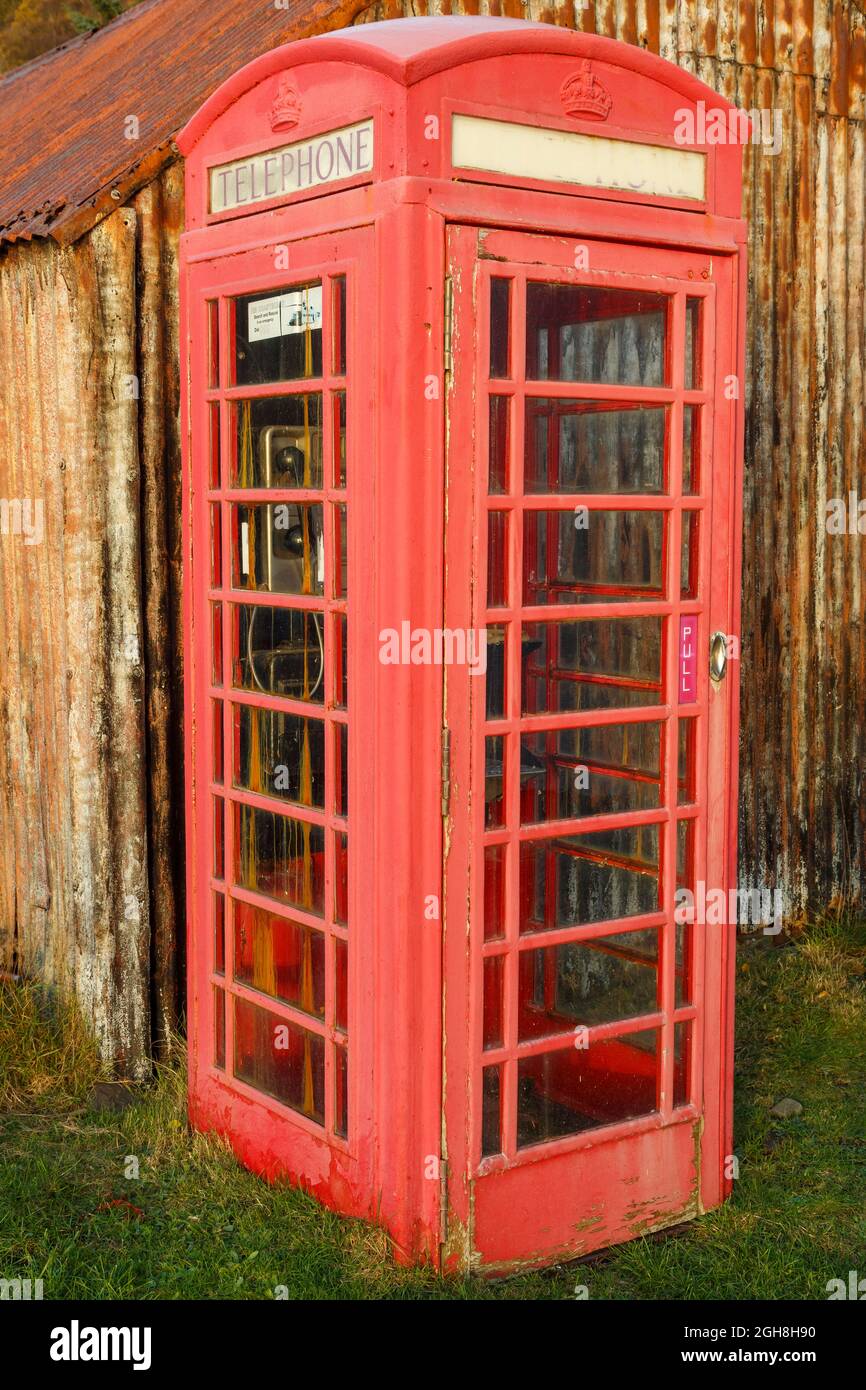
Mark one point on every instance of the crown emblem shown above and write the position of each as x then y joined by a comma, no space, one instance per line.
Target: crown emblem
286,110
582,94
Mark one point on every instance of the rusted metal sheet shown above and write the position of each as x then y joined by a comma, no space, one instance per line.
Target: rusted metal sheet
86,126
90,673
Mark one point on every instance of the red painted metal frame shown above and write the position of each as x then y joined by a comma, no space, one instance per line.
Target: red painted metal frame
411,1160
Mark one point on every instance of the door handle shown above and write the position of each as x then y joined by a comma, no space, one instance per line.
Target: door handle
718,656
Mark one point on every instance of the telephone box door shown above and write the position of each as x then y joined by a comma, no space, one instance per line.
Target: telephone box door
590,513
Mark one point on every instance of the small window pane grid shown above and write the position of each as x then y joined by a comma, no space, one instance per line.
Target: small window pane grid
597,424
278,513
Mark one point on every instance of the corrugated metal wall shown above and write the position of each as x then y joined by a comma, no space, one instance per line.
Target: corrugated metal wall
803,748
90,770
90,762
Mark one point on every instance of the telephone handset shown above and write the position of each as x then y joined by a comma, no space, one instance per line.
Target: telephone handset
294,543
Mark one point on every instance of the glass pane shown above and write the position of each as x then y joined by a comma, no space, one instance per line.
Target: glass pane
280,1058
689,558
338,316
691,450
494,892
494,971
214,444
216,708
591,446
341,879
575,1089
219,837
693,344
339,422
686,855
280,857
341,769
491,1127
590,772
497,559
591,663
500,416
341,984
686,736
500,317
495,672
277,442
341,1098
340,667
584,556
494,783
279,651
278,335
582,333
682,1051
280,957
573,880
219,1005
685,944
341,544
216,545
219,933
213,344
279,754
216,613
587,983
278,548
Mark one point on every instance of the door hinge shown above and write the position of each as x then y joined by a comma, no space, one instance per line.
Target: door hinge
449,326
446,771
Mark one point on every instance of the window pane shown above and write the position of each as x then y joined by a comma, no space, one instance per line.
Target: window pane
588,556
587,983
338,314
279,651
213,343
219,933
339,440
219,1004
581,333
494,971
278,548
491,1127
568,773
280,754
494,784
280,857
497,559
587,446
495,652
278,335
498,444
280,957
500,317
573,880
277,442
566,1092
341,1098
693,344
280,1058
691,450
591,664
689,557
494,892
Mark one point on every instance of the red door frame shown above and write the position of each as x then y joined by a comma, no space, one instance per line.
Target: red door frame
582,1192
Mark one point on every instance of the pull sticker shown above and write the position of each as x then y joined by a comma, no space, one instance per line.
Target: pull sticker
688,672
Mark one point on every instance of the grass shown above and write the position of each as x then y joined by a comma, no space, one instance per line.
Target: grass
196,1225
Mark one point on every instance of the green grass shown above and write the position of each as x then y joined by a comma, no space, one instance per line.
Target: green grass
201,1227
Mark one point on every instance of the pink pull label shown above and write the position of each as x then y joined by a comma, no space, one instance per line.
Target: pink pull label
688,674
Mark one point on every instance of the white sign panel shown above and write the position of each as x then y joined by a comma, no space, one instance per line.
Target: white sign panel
567,156
328,158
281,314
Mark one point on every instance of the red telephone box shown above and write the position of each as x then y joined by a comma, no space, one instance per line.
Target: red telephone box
463,303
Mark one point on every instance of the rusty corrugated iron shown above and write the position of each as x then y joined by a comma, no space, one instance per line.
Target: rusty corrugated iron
68,148
90,649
